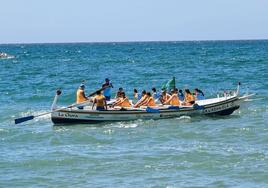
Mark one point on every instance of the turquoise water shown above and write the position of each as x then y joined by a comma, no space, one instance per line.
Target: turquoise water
229,151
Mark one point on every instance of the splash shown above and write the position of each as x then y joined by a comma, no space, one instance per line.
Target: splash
184,118
36,113
124,125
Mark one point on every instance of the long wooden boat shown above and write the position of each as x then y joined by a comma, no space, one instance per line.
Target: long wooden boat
225,105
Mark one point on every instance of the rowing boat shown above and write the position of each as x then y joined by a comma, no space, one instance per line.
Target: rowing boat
224,105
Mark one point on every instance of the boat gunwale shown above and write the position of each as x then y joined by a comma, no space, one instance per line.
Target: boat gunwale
128,112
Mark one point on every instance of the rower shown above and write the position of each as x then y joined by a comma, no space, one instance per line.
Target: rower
142,100
181,95
136,94
199,95
174,99
189,98
164,97
107,89
100,102
119,93
123,101
155,94
149,101
80,95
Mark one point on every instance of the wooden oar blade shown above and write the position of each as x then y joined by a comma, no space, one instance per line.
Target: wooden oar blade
23,119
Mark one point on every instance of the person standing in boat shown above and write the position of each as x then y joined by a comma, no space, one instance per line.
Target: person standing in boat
80,95
107,89
100,102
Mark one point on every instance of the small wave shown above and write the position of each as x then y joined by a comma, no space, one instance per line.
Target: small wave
125,125
109,131
3,130
184,117
148,49
66,60
9,57
60,129
257,99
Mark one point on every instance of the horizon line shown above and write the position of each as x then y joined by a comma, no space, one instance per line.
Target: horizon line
133,41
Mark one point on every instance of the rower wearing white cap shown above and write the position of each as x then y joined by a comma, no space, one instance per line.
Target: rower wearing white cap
80,94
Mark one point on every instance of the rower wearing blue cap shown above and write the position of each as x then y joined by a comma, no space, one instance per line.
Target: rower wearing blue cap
107,89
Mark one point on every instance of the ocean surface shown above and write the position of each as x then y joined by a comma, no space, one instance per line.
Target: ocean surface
229,151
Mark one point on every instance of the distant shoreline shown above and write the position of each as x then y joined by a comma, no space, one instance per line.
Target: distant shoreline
122,42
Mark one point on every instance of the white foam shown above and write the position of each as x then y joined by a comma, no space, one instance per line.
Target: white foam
3,130
184,117
36,113
126,125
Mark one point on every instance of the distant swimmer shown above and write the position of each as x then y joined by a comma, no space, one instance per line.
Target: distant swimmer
107,89
174,99
80,94
123,101
100,102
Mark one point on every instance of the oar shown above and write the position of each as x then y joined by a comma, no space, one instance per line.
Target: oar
101,89
27,118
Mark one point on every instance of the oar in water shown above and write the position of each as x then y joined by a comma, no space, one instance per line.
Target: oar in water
27,118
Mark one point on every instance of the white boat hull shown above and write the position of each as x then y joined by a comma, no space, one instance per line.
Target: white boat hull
218,106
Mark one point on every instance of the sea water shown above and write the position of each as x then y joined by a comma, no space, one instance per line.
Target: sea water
230,151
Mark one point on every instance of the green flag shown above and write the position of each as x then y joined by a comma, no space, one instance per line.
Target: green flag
171,84
164,86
